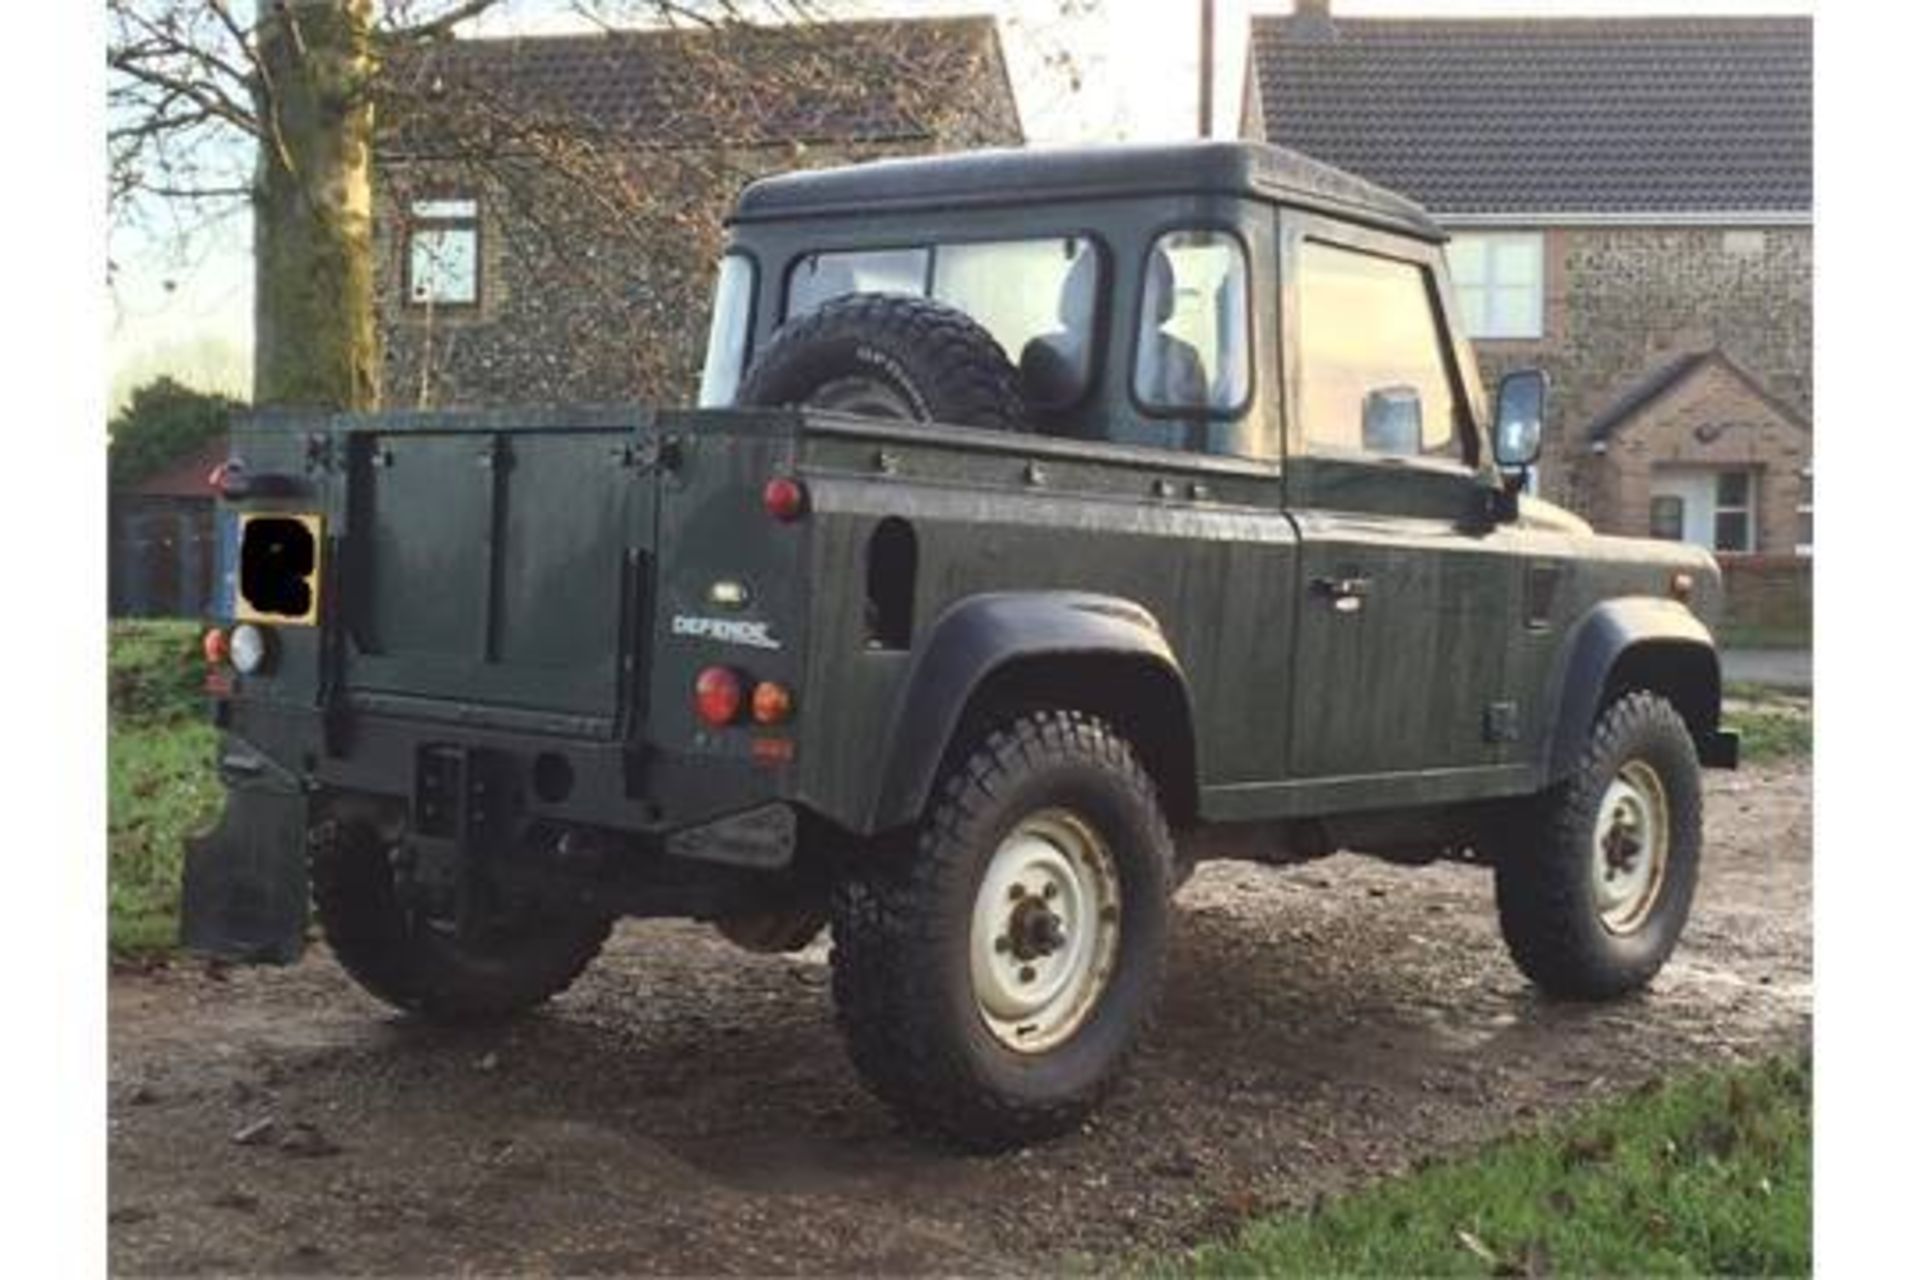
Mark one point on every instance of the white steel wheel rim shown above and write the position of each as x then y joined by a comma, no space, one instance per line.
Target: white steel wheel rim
1630,844
1045,931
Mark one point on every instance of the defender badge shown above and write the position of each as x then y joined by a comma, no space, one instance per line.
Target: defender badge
726,630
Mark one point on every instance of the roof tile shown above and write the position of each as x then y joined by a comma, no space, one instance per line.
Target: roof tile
1551,115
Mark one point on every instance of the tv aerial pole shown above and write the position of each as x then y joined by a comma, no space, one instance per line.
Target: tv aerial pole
1206,68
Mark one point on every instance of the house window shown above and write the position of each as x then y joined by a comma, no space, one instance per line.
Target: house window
1733,511
1373,376
443,252
1668,517
1706,506
1803,541
1499,282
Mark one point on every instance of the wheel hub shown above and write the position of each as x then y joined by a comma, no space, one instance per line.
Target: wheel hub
1035,931
1045,931
1630,847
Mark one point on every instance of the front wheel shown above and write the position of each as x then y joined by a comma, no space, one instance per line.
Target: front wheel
991,981
1596,879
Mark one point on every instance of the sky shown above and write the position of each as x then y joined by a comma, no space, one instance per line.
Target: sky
183,306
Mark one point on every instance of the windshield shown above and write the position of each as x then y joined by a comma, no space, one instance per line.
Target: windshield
1036,297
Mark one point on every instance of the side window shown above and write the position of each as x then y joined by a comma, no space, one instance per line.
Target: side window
1192,355
728,332
1373,376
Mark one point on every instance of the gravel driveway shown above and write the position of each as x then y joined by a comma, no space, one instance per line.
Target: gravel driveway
687,1107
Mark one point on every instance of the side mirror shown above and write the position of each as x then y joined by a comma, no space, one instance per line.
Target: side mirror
1519,411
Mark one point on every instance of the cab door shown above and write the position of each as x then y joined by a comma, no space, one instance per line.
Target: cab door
1400,634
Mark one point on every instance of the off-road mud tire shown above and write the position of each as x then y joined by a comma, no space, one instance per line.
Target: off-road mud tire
901,981
1543,860
413,967
935,358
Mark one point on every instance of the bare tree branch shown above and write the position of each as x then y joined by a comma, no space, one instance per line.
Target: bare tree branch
200,93
438,27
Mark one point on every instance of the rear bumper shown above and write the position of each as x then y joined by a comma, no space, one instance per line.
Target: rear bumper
635,788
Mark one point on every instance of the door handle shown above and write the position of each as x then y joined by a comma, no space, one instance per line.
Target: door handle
1347,594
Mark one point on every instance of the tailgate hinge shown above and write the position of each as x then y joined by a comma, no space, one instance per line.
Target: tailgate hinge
648,454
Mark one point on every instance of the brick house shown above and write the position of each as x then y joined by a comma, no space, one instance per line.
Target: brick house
547,209
1631,206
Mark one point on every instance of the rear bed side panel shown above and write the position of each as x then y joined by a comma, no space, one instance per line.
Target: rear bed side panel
730,591
1199,544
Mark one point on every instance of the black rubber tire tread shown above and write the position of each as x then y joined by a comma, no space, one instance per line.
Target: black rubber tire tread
1543,876
418,971
901,919
938,356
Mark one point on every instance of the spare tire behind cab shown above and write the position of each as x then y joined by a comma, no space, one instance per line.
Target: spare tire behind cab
889,356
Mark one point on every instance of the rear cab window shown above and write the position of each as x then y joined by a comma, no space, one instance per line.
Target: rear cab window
1038,298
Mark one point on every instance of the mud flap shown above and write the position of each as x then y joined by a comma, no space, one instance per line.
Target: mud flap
243,895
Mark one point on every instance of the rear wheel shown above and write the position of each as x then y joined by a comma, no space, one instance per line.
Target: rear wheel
1596,879
423,966
992,981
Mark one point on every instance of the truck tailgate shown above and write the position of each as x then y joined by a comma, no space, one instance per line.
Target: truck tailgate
497,571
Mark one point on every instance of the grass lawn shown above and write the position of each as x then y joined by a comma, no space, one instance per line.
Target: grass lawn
1738,637
1710,1174
160,778
1772,725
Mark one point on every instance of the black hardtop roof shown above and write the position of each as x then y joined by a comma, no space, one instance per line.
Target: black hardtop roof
1030,174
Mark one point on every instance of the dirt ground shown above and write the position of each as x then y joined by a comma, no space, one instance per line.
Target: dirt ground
687,1107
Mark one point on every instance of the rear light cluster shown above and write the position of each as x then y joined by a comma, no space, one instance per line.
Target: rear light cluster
723,695
784,498
247,648
720,694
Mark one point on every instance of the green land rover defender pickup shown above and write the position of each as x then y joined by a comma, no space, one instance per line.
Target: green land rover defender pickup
1051,521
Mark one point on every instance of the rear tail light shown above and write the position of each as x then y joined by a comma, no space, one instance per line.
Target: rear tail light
214,646
784,498
772,703
717,696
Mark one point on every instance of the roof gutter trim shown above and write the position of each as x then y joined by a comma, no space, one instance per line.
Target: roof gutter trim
1522,218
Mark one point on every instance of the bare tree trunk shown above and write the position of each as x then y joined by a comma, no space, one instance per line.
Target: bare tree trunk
315,341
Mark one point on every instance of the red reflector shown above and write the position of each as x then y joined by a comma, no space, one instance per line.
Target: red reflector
716,695
785,498
772,703
214,646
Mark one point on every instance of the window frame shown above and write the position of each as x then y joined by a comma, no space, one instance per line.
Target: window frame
1208,413
1485,284
1803,506
413,224
1748,510
1425,259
